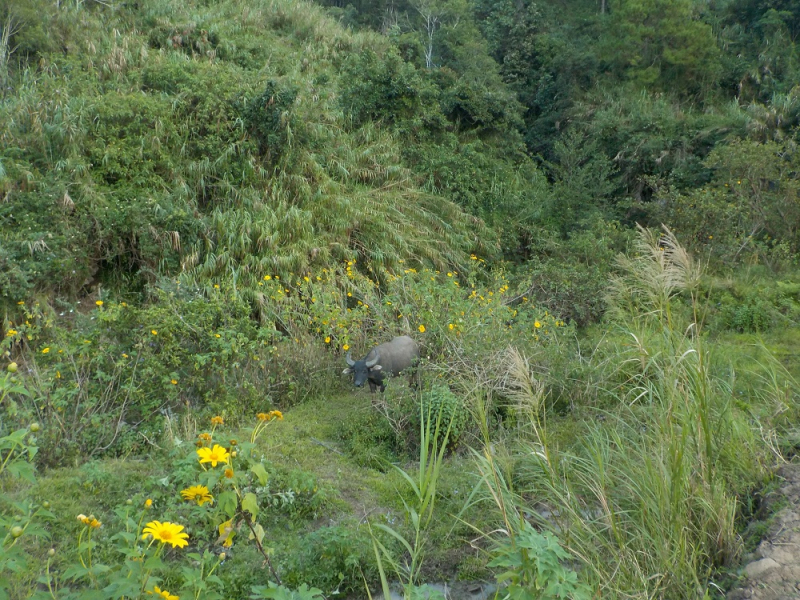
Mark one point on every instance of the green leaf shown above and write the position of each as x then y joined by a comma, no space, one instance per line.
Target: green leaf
227,503
259,533
250,504
22,470
260,472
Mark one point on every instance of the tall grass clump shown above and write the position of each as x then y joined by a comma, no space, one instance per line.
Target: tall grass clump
648,497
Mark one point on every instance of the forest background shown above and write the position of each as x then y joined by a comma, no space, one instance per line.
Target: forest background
206,204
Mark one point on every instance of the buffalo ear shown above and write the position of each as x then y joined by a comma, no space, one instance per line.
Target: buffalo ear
376,368
347,371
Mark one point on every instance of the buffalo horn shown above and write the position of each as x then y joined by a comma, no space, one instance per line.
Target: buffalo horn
349,359
371,363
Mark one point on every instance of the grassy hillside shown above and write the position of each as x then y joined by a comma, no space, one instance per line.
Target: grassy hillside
209,139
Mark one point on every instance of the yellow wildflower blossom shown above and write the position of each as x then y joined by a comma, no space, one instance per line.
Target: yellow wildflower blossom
214,455
197,493
166,533
157,591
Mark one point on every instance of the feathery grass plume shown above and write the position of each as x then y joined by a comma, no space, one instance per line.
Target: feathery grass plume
659,268
8,30
646,498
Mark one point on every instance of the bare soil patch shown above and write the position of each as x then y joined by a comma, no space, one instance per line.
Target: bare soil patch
773,572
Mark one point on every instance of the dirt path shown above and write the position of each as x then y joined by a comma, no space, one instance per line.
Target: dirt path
774,572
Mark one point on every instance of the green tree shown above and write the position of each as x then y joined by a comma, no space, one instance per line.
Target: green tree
582,184
661,43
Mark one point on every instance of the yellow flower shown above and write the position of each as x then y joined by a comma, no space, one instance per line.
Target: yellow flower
451,326
124,304
46,350
276,414
11,332
421,328
157,591
148,503
174,382
216,286
346,347
216,335
267,277
166,533
99,303
217,420
94,523
229,473
473,257
349,294
206,437
198,493
214,455
537,324
154,332
328,339
262,417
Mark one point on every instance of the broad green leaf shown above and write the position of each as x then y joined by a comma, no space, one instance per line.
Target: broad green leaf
259,533
250,504
260,472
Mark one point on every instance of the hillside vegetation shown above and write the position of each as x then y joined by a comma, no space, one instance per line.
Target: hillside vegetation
586,214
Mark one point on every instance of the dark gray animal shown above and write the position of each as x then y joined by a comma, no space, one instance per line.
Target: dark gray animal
383,361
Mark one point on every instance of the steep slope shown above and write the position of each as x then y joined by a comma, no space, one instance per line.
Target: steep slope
162,137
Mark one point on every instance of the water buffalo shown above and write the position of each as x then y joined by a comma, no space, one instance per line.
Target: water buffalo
383,361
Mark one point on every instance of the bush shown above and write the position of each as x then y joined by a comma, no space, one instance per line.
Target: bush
444,410
332,559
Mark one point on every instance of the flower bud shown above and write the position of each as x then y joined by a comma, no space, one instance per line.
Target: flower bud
35,427
17,531
51,552
222,555
12,368
46,505
128,501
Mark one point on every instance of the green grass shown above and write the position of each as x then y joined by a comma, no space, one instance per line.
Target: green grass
307,442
